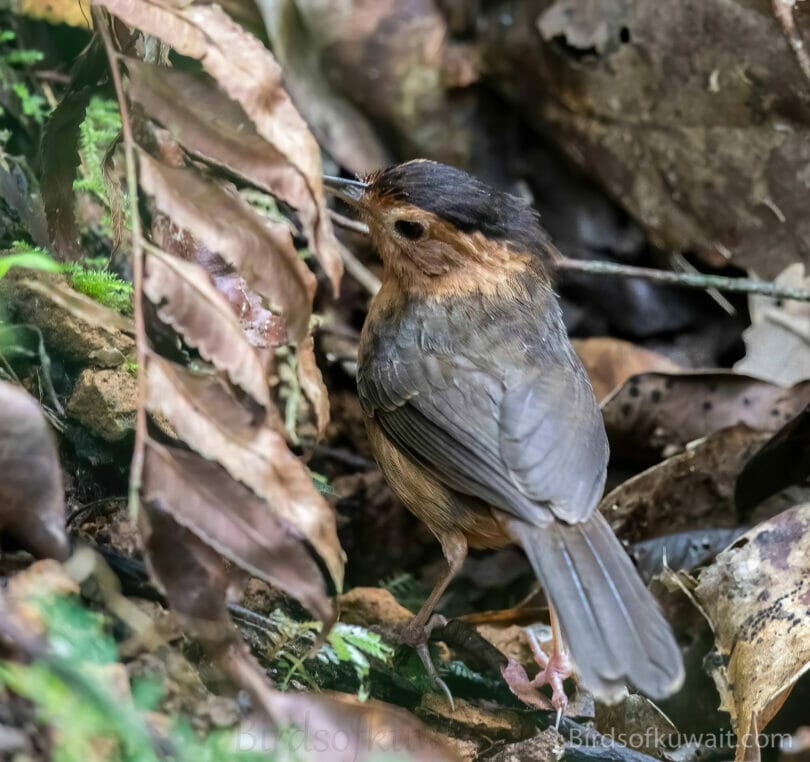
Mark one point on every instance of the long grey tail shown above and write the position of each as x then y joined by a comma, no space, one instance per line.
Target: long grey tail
612,625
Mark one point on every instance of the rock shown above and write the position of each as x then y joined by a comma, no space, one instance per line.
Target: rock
64,333
471,720
544,747
104,402
368,606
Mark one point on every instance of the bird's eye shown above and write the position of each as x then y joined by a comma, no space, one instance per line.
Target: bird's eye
409,229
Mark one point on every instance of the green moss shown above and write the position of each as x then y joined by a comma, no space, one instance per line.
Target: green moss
101,286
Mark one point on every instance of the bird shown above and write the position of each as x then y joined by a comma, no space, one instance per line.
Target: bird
483,422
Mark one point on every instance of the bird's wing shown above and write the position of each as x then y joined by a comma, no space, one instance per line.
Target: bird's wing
524,436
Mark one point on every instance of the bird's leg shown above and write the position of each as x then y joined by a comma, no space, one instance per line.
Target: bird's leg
417,632
555,668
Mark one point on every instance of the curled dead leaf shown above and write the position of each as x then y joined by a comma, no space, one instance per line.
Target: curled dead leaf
187,300
207,417
191,573
262,251
756,596
228,517
343,130
32,501
60,160
782,461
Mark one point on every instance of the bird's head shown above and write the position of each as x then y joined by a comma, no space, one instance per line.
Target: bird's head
441,231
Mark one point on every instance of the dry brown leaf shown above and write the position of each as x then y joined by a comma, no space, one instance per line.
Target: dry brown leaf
756,595
262,251
214,127
187,300
247,72
690,490
232,520
211,421
80,306
654,413
191,573
32,500
610,362
311,380
664,118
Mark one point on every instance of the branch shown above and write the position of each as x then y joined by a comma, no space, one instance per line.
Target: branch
686,280
100,23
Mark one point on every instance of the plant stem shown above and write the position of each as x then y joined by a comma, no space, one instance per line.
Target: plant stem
136,469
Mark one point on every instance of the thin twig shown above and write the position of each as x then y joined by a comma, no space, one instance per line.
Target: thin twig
783,11
686,280
137,261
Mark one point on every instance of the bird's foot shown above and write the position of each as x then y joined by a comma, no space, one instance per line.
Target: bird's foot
554,671
417,636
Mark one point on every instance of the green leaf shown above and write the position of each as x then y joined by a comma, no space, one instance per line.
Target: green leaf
35,259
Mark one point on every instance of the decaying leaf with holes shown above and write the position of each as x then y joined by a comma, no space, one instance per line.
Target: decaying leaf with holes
655,414
248,74
32,501
756,596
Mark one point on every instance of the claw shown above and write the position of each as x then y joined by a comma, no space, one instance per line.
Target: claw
439,684
418,638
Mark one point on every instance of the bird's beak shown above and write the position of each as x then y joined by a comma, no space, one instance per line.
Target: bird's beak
350,191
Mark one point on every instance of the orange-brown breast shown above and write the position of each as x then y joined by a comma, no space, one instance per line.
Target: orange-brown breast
430,501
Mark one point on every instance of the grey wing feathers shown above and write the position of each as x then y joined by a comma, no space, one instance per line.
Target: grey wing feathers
526,438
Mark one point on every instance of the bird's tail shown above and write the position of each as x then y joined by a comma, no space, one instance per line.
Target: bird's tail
612,625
